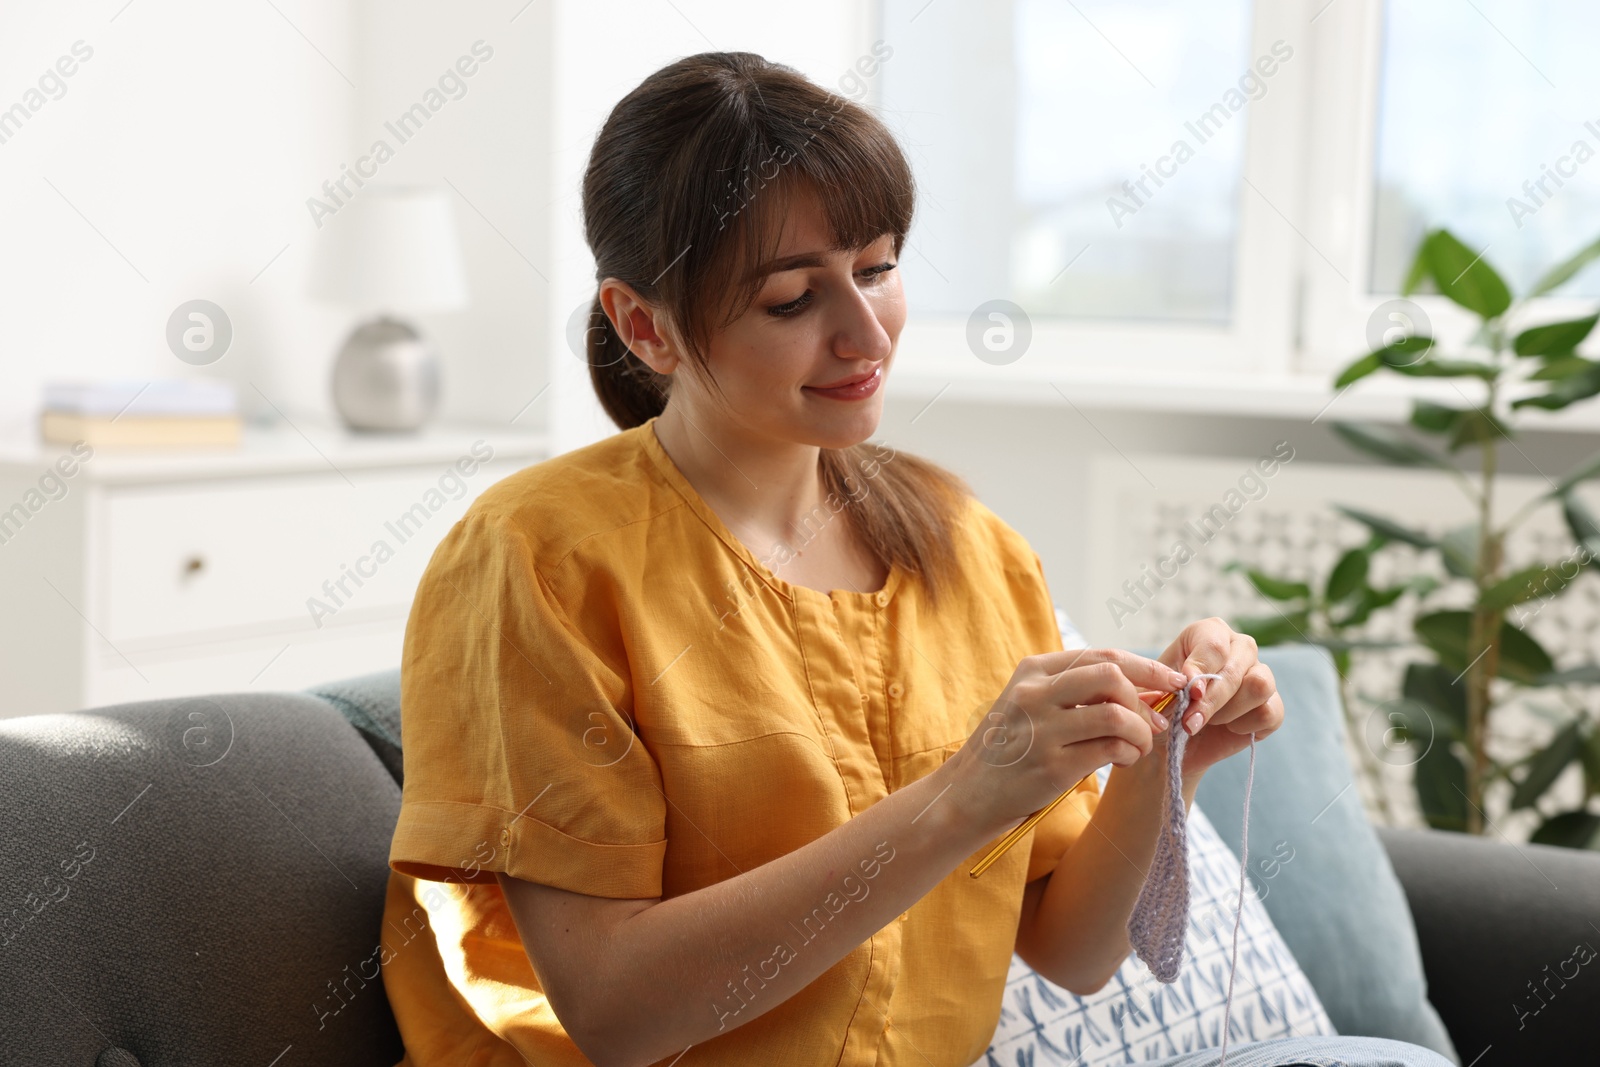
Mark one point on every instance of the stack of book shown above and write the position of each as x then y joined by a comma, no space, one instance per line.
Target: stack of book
181,412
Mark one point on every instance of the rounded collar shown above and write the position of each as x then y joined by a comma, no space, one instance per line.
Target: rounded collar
691,496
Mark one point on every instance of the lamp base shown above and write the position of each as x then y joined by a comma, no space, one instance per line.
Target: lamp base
386,377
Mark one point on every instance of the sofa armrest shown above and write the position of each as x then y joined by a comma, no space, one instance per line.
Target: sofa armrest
1510,939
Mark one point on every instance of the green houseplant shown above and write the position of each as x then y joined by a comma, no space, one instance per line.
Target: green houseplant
1482,658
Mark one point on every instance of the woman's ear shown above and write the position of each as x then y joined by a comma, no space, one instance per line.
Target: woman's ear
642,327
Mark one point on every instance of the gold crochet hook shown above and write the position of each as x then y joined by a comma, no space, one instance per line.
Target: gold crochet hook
1033,820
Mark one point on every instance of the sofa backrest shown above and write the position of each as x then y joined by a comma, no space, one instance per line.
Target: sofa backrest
191,881
1317,863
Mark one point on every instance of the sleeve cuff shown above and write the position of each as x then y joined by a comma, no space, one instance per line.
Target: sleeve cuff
428,844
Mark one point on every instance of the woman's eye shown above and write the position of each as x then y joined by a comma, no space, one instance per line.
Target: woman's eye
795,305
792,306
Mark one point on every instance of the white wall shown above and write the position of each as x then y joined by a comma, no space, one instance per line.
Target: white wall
174,166
1031,465
491,148
191,140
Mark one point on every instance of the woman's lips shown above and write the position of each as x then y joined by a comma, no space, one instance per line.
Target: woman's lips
855,391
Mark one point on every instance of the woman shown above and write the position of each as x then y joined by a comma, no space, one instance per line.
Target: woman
706,723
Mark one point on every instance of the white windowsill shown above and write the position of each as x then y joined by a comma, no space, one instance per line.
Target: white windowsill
1223,393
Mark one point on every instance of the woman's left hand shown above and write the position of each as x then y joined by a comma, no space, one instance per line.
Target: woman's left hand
1244,700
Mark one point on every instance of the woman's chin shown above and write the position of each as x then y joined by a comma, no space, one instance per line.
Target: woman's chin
846,428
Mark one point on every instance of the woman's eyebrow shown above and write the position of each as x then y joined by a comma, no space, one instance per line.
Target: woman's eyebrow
795,262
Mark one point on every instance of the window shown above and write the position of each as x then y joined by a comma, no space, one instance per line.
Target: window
1228,186
1489,124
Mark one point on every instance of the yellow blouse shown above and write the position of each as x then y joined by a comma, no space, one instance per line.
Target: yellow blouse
605,691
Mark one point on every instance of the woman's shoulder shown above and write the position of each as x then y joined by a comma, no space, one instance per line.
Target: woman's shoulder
573,499
983,535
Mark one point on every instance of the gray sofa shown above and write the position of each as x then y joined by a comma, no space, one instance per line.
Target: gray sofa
201,881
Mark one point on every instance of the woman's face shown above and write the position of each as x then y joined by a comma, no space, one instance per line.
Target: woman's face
820,318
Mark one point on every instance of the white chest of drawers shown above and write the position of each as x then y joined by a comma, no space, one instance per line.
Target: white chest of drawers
288,561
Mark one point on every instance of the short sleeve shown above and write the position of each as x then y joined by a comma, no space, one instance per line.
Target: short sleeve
517,737
1060,830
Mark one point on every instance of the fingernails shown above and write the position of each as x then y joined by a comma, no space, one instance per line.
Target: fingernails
1193,722
1178,680
1161,720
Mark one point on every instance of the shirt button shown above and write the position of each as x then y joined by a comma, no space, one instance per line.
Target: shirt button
881,599
903,915
895,689
505,836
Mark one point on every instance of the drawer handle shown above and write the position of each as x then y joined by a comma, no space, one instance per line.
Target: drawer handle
193,566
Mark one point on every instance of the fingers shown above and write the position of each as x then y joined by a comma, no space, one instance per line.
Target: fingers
1255,689
1111,728
1098,683
1214,648
1152,674
1262,721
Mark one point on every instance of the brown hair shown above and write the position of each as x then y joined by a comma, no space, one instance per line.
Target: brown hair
671,172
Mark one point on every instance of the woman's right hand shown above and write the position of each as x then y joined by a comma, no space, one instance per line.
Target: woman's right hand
1061,716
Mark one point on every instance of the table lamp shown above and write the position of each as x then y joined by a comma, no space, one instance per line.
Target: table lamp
388,251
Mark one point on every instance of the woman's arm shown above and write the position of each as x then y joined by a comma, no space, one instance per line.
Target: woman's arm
1074,924
633,981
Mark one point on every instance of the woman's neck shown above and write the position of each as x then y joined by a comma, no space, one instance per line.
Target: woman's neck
763,490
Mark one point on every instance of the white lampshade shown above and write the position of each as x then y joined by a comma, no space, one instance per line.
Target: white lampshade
393,249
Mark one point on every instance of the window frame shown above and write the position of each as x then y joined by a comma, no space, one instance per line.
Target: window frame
1302,265
1342,175
1260,336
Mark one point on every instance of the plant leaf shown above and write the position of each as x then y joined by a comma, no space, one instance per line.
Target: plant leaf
1531,583
1358,370
1347,575
1413,722
1369,601
1405,352
1559,274
1477,426
1421,584
1268,586
1434,418
1386,444
1554,338
1583,674
1462,275
1418,271
1557,368
1277,588
1581,521
1275,629
1568,390
1435,686
1459,549
1447,368
1441,784
1387,528
1570,829
1522,659
1547,766
1591,763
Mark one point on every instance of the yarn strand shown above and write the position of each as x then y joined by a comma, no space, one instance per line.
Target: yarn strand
1160,918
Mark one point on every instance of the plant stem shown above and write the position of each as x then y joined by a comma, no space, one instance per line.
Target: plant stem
1483,643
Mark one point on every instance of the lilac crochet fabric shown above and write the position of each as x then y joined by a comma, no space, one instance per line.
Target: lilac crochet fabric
1161,914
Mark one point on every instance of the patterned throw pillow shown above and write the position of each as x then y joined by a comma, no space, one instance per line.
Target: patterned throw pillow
1135,1018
